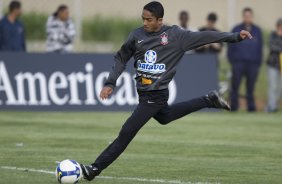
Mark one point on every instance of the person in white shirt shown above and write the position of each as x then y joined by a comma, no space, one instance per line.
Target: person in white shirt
60,31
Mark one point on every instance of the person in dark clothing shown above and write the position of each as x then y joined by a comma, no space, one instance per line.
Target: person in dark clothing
157,49
214,48
184,19
12,34
274,63
245,59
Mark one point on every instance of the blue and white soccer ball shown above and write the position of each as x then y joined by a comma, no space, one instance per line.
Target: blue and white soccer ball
68,171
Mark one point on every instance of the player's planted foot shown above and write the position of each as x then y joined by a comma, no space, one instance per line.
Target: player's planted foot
217,101
89,172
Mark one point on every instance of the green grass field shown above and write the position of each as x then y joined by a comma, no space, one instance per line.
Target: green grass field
202,148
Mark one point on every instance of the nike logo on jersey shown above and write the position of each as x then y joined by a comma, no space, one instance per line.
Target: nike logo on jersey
140,41
150,102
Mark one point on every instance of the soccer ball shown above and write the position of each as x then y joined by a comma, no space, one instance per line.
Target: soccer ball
68,171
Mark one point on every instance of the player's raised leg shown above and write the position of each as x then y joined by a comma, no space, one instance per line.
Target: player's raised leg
178,110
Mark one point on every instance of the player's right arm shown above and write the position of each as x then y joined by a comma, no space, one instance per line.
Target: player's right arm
121,58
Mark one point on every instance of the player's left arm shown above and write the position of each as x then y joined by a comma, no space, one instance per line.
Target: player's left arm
192,40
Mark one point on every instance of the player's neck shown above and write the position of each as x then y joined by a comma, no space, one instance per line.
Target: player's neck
158,29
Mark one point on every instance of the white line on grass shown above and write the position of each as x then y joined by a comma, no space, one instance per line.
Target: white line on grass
111,177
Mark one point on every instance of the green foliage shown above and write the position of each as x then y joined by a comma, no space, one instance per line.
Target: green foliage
114,29
266,35
34,25
98,28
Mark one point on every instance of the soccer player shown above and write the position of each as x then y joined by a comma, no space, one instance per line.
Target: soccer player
157,49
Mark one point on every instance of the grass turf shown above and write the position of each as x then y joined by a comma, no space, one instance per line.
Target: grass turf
203,147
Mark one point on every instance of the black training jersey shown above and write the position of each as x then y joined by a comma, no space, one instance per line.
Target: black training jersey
157,54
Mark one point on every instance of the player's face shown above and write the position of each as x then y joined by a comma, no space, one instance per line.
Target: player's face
248,17
150,22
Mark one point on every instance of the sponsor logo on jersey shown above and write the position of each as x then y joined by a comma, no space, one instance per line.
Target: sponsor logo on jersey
146,81
164,38
150,66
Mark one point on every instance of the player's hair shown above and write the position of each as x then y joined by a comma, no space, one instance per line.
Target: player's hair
212,17
14,5
59,9
156,8
247,9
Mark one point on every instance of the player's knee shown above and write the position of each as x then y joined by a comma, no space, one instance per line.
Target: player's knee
163,121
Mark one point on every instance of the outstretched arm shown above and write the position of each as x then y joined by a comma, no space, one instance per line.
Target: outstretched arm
192,40
121,58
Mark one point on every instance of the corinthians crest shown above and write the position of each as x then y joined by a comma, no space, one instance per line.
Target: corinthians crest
164,38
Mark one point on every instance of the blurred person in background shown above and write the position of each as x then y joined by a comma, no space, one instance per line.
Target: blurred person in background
274,63
213,48
12,32
184,24
60,31
210,26
245,59
184,19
